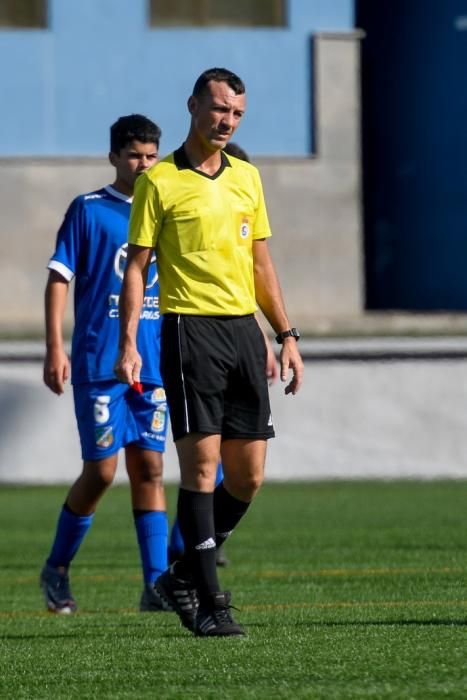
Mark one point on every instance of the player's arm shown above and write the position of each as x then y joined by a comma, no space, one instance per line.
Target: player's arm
128,366
270,301
56,363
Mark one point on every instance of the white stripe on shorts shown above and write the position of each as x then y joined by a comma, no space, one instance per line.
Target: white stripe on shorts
187,422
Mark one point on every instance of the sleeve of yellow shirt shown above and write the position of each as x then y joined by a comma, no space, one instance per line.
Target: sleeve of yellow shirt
145,217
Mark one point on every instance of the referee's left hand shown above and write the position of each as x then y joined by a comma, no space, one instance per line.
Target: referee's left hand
272,369
290,359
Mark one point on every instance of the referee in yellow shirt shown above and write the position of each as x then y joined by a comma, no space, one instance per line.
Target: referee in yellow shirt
204,214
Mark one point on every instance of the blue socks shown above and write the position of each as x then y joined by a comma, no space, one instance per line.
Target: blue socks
219,474
176,544
71,529
152,532
151,528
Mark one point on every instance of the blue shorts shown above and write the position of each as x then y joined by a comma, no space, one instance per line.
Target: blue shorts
111,415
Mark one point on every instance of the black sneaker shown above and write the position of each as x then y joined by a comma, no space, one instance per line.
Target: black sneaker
180,594
55,585
214,618
151,601
174,555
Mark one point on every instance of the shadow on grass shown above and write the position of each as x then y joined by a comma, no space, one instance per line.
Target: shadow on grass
25,637
380,623
441,622
79,635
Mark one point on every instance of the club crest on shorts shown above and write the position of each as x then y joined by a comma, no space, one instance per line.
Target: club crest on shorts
158,395
244,229
104,436
158,420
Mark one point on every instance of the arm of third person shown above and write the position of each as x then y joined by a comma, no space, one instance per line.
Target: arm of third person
270,300
272,370
56,363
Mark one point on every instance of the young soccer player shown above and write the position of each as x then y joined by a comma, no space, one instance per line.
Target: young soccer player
91,248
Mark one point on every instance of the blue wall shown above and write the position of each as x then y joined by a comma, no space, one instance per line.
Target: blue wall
61,88
415,153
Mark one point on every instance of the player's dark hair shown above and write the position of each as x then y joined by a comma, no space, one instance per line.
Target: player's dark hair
220,75
133,127
233,149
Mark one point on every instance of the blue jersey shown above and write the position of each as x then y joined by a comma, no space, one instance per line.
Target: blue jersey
92,247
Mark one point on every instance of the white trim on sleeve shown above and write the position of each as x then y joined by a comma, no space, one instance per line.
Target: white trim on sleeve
62,269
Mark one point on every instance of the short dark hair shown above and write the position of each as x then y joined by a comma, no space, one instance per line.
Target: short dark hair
220,75
133,127
233,149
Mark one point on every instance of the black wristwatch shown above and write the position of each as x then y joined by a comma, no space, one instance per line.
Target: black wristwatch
291,333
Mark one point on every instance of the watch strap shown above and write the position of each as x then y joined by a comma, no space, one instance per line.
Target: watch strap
290,333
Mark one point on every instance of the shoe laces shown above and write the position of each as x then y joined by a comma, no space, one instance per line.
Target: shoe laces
222,613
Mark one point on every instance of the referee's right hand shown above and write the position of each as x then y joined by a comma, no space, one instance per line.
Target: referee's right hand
128,366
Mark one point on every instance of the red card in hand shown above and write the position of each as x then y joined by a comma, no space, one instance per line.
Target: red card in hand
137,386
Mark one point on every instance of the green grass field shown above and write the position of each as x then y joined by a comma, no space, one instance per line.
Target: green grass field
347,590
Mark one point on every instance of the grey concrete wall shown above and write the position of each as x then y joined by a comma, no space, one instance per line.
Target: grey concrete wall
314,207
352,419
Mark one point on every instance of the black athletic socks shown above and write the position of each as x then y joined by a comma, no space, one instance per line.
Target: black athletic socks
228,511
196,520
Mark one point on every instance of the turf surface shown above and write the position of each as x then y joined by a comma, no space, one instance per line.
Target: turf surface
347,590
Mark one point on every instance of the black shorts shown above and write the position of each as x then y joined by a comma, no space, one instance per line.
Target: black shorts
214,374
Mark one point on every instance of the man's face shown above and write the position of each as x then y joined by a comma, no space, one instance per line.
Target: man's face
216,113
132,160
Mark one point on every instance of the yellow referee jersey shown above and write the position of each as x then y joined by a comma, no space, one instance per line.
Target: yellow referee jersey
202,228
